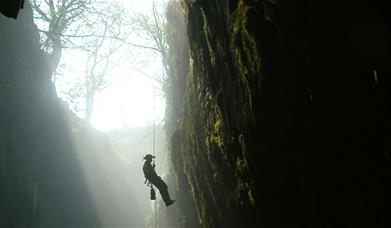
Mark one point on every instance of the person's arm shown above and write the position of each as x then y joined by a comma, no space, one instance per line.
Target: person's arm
149,171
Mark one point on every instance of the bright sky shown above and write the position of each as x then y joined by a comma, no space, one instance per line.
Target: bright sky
129,97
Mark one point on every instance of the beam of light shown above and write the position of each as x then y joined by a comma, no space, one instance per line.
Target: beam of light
111,162
113,177
128,102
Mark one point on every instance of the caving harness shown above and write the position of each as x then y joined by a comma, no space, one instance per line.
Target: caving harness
149,184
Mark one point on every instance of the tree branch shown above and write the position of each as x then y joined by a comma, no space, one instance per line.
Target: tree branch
109,37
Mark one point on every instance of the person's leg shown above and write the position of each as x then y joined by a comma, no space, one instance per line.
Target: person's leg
163,189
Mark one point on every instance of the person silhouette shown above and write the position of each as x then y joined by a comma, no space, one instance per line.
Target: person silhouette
153,178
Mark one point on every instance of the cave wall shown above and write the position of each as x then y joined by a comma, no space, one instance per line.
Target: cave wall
10,8
40,179
285,113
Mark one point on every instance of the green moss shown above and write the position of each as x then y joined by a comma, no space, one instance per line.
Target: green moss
247,58
207,36
217,107
217,126
240,165
251,197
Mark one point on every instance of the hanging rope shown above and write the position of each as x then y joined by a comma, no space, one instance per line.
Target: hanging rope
153,143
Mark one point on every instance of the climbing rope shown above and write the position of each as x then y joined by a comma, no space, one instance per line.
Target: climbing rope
153,144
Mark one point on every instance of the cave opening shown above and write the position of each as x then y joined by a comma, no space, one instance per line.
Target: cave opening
108,59
99,97
109,67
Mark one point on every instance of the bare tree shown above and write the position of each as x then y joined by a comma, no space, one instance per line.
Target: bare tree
88,25
98,64
152,28
97,28
56,16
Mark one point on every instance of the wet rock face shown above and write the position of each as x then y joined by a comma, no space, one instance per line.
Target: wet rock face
286,113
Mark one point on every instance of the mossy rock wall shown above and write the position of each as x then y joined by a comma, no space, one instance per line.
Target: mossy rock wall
285,118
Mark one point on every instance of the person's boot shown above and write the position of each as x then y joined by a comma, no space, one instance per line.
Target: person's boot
166,197
170,203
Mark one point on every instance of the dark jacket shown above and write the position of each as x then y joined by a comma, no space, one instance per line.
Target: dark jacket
149,172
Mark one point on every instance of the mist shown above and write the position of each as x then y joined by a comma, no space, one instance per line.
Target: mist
95,105
194,113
